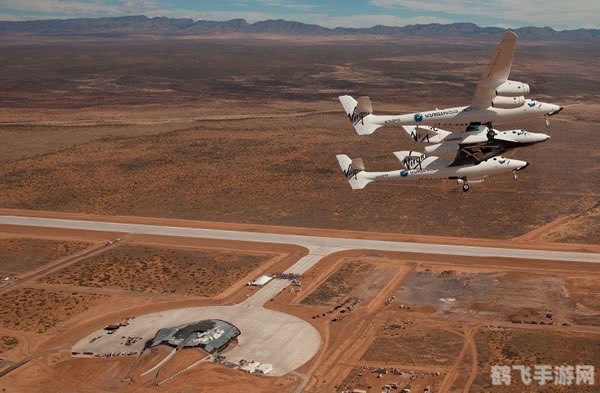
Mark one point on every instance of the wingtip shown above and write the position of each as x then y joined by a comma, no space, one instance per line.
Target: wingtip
510,35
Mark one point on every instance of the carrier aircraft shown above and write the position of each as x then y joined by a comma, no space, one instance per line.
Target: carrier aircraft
497,100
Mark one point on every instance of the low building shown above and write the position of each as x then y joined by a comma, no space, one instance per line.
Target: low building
260,281
210,335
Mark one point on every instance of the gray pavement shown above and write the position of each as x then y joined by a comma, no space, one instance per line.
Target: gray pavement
275,286
311,242
267,336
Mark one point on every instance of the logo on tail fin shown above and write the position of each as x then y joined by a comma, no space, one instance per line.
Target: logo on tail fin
355,116
419,137
351,172
414,162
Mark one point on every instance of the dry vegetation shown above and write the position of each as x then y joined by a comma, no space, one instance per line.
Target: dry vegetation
340,284
367,378
7,343
509,296
37,310
21,255
140,268
217,142
415,346
531,347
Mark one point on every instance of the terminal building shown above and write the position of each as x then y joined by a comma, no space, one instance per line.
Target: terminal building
210,335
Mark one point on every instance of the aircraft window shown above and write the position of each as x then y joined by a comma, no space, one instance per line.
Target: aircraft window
514,132
494,158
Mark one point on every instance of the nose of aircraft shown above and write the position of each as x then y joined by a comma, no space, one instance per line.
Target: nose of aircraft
539,137
554,109
518,165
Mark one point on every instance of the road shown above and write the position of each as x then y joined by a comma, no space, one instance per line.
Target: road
264,339
311,242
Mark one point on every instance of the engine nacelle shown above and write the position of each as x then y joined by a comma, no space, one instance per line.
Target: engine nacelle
508,102
512,88
444,150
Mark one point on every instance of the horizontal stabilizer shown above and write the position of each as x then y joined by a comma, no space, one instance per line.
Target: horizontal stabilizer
354,171
426,134
363,105
416,160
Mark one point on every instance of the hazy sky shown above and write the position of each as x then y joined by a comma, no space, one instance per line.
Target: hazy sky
559,14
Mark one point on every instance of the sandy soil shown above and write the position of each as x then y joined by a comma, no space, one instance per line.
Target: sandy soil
144,269
240,143
352,345
527,347
21,255
239,140
7,343
36,310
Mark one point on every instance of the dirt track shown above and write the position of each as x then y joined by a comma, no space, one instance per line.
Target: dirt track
344,342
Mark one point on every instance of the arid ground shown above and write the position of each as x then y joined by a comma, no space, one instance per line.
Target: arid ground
412,319
245,131
227,130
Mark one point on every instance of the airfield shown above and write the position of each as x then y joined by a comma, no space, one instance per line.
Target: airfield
457,294
143,195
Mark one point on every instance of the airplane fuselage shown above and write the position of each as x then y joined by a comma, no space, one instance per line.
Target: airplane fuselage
466,115
490,167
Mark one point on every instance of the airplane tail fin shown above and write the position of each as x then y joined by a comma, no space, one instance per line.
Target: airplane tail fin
354,171
360,114
426,134
417,160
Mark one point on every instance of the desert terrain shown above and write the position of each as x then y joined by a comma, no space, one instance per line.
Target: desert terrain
241,134
385,318
158,128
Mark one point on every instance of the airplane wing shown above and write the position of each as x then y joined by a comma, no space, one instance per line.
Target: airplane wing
496,72
426,134
473,154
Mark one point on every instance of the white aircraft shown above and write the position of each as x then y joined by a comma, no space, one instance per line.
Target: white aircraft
475,144
418,166
497,100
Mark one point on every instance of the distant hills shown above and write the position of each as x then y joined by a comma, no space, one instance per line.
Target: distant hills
142,25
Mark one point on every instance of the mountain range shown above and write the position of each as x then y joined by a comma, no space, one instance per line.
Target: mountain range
142,25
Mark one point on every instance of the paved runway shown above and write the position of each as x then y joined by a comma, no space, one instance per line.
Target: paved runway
310,242
267,336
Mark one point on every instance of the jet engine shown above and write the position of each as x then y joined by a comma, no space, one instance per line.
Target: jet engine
508,102
512,88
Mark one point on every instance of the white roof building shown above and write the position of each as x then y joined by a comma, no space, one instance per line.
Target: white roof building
262,280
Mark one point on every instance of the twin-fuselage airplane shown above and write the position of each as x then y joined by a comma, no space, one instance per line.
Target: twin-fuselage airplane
497,100
473,154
